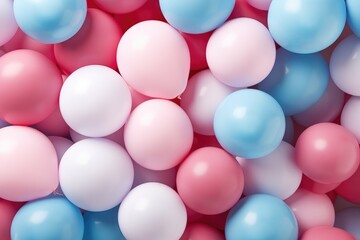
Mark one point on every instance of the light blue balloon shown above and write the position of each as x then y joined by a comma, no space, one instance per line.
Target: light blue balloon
297,81
353,16
196,16
261,217
52,218
50,21
306,26
249,123
102,225
348,219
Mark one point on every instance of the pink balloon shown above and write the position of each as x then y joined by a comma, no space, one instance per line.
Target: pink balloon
54,125
119,6
311,209
8,211
260,4
158,134
326,233
162,55
28,164
200,231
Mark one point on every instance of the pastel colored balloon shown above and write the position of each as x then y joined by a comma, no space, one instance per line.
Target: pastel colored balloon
199,231
196,16
102,225
350,116
260,4
50,21
28,164
96,174
311,209
200,99
326,109
158,134
249,123
353,11
49,218
210,181
8,25
275,173
297,81
197,47
30,86
53,125
95,101
122,6
316,187
349,190
289,23
117,136
8,210
327,153
87,47
241,52
328,233
162,55
343,65
261,216
289,130
349,219
152,211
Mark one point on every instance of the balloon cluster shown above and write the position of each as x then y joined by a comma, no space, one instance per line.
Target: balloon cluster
179,119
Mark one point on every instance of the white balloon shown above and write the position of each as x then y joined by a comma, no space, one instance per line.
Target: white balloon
152,211
275,174
117,136
200,99
8,25
350,116
95,101
96,174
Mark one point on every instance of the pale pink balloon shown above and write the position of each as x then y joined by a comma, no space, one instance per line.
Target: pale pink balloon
119,6
260,4
311,209
154,59
28,164
158,134
241,53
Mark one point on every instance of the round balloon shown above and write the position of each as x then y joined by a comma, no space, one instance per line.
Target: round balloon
200,231
8,25
350,116
328,233
348,219
119,6
353,15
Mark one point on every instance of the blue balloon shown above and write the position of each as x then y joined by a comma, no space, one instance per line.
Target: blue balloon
260,217
196,16
297,81
306,26
50,21
348,219
102,225
353,10
249,123
52,218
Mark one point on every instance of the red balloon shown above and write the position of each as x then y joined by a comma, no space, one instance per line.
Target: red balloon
316,187
199,231
7,212
349,189
327,153
326,233
210,181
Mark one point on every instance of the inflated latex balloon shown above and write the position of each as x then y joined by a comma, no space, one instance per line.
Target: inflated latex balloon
200,231
30,86
350,116
349,189
152,211
261,216
8,210
353,15
276,173
326,233
96,174
28,164
241,52
348,219
260,4
197,46
327,153
50,218
95,101
8,25
162,55
50,21
249,123
119,6
158,134
297,81
289,23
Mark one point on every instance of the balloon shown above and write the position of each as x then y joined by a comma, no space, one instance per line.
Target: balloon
275,173
95,101
197,47
53,125
119,6
201,98
199,231
30,86
162,55
241,52
96,174
316,187
349,219
196,16
249,123
261,216
343,65
353,16
50,21
102,225
158,134
297,81
210,181
50,218
8,26
260,4
326,233
349,189
28,164
350,116
327,153
87,47
8,211
152,211
305,26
